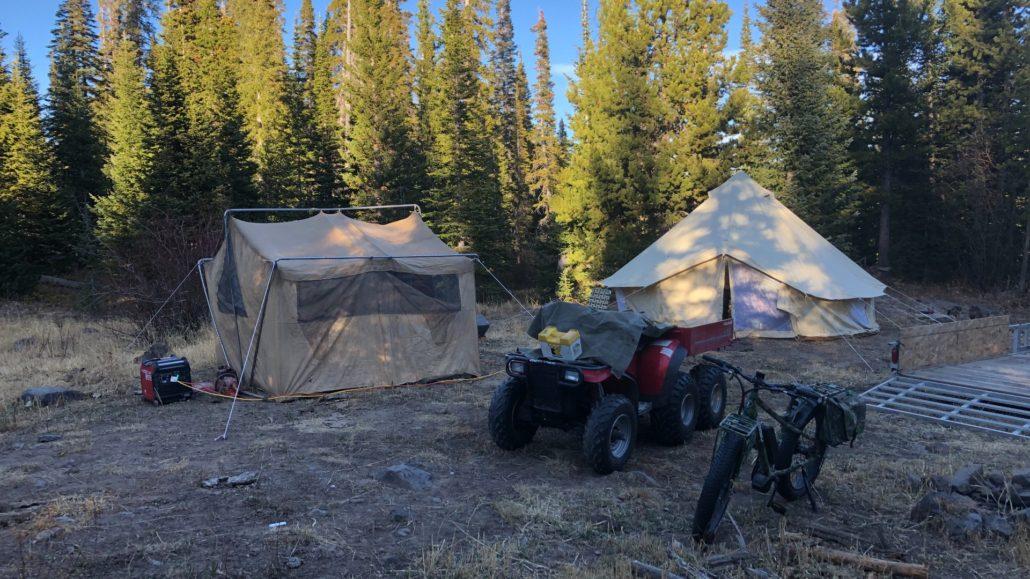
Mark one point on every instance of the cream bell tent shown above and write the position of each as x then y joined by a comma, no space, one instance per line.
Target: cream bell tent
784,279
341,303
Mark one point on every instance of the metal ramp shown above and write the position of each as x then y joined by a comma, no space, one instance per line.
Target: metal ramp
951,403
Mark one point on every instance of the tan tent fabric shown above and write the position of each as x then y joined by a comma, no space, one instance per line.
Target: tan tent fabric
770,251
356,317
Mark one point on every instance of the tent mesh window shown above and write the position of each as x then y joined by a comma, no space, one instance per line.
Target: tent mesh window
377,293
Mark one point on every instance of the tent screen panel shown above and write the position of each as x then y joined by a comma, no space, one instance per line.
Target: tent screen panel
376,293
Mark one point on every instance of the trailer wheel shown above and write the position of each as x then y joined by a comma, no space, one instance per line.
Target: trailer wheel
711,393
675,421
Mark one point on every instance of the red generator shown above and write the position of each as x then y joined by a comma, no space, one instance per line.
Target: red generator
161,380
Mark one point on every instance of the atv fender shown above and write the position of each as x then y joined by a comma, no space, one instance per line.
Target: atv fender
658,369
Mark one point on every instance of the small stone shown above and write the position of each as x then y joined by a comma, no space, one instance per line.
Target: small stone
644,478
998,525
49,437
244,478
936,504
64,520
210,483
403,532
966,478
400,514
155,562
47,534
48,395
965,526
293,562
406,476
1021,478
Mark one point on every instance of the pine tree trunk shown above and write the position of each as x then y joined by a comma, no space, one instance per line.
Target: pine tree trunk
884,243
1024,267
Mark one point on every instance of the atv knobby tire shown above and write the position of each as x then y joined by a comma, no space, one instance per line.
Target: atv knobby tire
711,393
610,434
715,494
506,429
674,422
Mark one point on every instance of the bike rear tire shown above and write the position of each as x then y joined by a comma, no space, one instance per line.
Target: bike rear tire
792,486
718,487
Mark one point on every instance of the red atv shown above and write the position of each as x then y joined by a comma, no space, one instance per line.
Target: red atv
547,390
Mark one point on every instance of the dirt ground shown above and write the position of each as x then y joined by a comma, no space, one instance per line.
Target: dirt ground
119,494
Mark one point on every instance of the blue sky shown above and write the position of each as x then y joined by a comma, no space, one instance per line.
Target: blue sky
34,19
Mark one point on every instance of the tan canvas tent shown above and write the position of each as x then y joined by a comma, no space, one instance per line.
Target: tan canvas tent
784,279
341,303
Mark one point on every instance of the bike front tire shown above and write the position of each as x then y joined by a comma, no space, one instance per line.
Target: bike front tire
715,494
793,449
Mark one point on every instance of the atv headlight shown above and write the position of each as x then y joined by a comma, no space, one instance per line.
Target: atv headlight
517,368
571,376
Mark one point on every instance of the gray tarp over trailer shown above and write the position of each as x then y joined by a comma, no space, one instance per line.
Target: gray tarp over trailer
349,303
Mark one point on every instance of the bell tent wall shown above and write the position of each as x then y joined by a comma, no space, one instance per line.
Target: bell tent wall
341,303
783,278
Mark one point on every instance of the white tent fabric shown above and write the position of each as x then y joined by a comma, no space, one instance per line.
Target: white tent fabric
780,270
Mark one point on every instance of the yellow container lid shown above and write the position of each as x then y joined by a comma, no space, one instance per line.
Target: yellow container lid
553,336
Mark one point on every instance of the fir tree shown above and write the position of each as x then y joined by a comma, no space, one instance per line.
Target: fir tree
262,84
809,131
382,156
122,214
424,74
131,20
547,160
71,123
607,201
896,46
319,162
34,215
465,204
511,141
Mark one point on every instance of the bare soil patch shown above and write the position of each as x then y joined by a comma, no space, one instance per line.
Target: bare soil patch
119,494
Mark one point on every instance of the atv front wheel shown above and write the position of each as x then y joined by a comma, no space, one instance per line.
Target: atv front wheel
610,434
506,428
711,392
674,421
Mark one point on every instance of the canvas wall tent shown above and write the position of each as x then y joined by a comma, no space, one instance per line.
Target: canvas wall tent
341,303
784,279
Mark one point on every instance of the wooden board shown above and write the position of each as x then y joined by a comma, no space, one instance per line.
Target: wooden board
954,342
1007,374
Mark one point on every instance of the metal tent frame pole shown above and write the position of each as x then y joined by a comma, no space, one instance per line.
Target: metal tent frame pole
210,310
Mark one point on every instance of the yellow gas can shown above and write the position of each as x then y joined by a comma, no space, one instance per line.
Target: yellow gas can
566,345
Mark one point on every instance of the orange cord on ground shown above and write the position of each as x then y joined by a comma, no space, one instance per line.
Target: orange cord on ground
342,390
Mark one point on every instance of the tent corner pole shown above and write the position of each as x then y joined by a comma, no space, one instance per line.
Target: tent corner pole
210,310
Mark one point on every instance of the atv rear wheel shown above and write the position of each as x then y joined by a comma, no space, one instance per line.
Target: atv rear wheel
674,422
506,428
711,392
610,434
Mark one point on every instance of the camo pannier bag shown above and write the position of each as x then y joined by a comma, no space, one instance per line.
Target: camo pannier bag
843,416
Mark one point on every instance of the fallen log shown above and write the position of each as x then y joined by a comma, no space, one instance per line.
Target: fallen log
60,281
727,559
641,569
861,561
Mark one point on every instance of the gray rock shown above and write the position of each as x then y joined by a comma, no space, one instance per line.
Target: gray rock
939,483
403,532
406,476
998,525
47,534
23,344
967,478
964,526
294,562
244,478
1021,478
47,395
400,514
210,483
49,437
644,478
937,504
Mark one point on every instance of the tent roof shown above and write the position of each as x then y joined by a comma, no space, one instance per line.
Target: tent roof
335,235
743,220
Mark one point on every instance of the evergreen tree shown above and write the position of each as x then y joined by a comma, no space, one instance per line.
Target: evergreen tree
687,65
327,96
547,161
263,87
122,214
34,215
71,123
131,20
809,131
202,163
896,45
335,39
319,162
746,147
511,125
980,128
424,74
465,205
382,155
608,197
